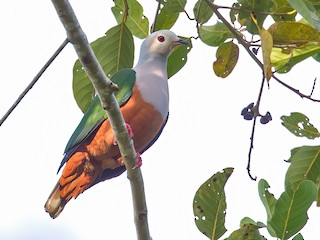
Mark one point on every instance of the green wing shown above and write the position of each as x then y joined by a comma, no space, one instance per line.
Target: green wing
95,114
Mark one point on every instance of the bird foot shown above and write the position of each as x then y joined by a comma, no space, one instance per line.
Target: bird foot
129,129
139,162
130,133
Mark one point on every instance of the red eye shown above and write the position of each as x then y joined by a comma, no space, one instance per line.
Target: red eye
161,39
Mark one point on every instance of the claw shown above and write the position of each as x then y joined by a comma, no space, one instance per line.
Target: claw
130,133
129,129
139,162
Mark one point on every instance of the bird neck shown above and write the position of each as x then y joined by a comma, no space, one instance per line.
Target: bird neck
152,82
159,60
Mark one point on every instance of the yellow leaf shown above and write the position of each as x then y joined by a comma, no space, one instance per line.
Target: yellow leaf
266,45
227,58
293,34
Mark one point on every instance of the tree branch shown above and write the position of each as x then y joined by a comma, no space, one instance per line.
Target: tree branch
234,32
104,87
256,114
252,55
302,95
260,64
153,26
33,82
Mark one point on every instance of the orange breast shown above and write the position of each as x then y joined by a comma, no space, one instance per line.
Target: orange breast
98,152
144,120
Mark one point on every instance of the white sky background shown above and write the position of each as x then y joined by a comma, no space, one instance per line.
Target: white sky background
205,134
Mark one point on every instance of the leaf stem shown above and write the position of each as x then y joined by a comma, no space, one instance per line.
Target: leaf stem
125,14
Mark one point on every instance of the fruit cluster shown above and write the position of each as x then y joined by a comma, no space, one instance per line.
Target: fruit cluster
249,112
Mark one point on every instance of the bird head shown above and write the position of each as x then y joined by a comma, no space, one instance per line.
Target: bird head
160,43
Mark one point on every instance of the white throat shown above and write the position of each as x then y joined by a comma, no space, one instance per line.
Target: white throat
151,80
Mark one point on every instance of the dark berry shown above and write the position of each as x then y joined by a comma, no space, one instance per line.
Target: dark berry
244,111
248,112
255,50
264,120
248,116
268,115
250,106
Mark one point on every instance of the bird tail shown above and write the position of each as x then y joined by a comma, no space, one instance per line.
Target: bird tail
55,203
77,176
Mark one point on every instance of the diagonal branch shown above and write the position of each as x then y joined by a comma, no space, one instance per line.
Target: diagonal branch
260,64
252,55
104,87
234,32
34,81
153,26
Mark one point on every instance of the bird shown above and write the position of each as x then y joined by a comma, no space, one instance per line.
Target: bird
92,155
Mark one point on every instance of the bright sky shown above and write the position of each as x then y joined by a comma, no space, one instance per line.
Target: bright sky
205,134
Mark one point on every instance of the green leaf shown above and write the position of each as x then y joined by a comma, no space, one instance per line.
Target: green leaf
83,90
202,12
117,51
293,34
214,35
178,58
290,214
283,62
209,205
298,237
137,23
234,12
267,198
227,57
247,231
308,11
247,220
258,8
318,187
175,5
166,19
298,124
305,165
283,11
316,57
114,51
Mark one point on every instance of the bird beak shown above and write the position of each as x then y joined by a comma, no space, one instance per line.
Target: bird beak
182,41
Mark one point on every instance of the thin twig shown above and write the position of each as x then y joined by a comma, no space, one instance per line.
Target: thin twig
302,95
126,10
104,88
313,87
153,26
234,33
252,55
188,16
256,114
259,63
33,82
